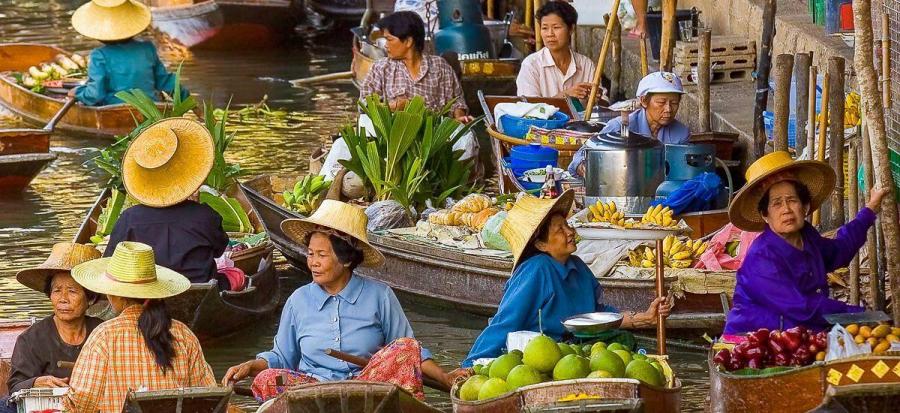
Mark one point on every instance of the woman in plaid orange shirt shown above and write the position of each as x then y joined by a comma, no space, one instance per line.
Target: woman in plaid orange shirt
141,349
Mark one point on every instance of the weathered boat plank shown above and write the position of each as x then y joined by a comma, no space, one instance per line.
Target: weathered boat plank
347,396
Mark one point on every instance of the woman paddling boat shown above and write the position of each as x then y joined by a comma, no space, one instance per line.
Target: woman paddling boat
339,310
122,63
58,337
547,278
782,282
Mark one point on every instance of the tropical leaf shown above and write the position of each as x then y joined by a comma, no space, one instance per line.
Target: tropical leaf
234,218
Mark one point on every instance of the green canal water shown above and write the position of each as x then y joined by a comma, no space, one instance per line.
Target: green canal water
52,208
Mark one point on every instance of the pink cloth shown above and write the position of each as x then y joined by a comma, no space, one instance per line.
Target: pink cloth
237,279
716,258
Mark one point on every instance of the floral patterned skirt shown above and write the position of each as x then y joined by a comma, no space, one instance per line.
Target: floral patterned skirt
399,363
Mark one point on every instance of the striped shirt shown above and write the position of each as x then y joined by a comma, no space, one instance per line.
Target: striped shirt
115,359
437,83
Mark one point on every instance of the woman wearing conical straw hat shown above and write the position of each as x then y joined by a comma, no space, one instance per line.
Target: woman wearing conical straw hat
547,277
162,169
122,63
58,337
142,347
339,310
782,282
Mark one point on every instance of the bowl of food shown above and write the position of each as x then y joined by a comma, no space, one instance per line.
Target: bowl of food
539,175
592,323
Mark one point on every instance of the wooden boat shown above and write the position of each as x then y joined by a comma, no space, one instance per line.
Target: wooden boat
342,9
803,388
25,152
616,395
104,121
208,312
255,23
347,396
471,283
9,332
188,22
185,400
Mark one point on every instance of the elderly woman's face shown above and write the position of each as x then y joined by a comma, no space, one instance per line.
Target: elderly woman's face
560,238
68,297
398,49
661,107
785,213
555,33
323,263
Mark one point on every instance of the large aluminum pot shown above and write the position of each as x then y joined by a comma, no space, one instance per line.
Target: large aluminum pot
624,169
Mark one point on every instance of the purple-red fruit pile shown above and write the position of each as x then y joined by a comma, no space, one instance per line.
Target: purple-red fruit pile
795,346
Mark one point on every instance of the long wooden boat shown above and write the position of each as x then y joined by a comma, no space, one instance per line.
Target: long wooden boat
104,121
803,388
471,283
208,312
347,396
9,332
17,171
184,400
616,395
255,23
188,22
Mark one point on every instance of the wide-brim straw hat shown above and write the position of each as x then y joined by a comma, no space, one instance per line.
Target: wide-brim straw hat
168,161
63,257
339,216
527,215
769,170
130,272
110,20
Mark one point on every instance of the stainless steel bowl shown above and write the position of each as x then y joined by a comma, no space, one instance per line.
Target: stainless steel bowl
592,323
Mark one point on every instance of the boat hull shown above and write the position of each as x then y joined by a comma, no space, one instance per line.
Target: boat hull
347,396
254,24
17,171
191,24
9,332
340,9
183,400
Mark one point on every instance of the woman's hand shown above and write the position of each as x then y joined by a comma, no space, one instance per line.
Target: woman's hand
875,199
659,306
398,104
459,374
579,91
50,381
71,92
247,368
461,116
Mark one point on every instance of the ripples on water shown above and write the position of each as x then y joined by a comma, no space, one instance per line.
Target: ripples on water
52,208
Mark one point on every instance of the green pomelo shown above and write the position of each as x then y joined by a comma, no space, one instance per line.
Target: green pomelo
565,350
609,361
600,374
493,387
577,349
571,367
517,353
469,389
658,366
598,346
477,368
586,349
643,371
638,356
625,355
502,365
522,375
615,346
542,353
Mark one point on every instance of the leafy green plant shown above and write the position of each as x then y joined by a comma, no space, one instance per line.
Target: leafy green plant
223,173
234,218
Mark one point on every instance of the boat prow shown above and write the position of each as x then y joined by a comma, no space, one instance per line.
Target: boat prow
189,24
347,396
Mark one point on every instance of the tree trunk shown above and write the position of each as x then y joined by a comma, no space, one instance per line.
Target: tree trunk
703,80
802,62
811,112
784,66
875,290
764,64
853,204
872,100
836,134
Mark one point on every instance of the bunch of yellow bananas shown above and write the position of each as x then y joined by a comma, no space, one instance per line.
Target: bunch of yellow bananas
852,114
659,215
608,212
676,253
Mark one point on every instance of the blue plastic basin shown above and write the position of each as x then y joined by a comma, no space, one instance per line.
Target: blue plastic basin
517,127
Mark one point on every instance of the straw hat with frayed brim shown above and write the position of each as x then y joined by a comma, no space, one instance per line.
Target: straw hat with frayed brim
110,20
63,257
769,170
131,272
168,161
527,215
339,216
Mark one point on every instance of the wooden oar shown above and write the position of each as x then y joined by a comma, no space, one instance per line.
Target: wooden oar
645,66
538,42
666,43
823,127
601,61
362,362
59,115
322,78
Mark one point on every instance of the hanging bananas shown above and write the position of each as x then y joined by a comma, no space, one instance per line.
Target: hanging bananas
661,216
676,253
608,212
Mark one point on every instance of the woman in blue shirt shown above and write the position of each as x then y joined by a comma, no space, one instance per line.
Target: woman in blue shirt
547,277
342,311
122,63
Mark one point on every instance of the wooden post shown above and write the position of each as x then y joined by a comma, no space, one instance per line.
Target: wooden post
703,80
784,66
876,299
836,133
886,60
763,65
802,62
490,9
538,43
601,61
660,292
853,204
811,113
529,14
615,78
873,101
645,67
820,146
668,30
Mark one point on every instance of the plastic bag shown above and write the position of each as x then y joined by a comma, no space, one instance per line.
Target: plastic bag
841,344
490,233
697,194
716,258
387,215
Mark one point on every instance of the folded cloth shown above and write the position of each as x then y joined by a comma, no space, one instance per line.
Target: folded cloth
523,109
237,280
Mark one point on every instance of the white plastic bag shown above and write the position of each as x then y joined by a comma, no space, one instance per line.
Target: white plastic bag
490,234
841,344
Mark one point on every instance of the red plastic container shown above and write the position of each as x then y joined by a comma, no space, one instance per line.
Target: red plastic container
847,17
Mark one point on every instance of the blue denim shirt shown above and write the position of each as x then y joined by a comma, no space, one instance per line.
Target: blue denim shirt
359,320
673,133
540,282
124,66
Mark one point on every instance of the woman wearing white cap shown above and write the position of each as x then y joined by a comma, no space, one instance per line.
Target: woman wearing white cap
659,94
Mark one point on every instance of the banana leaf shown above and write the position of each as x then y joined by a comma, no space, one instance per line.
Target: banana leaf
234,218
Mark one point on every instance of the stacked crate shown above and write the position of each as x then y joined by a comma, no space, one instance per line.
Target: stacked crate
733,59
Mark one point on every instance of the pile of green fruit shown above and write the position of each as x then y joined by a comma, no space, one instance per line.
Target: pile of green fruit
546,360
307,194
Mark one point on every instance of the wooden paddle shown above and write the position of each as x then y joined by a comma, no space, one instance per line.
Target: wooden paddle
601,61
362,362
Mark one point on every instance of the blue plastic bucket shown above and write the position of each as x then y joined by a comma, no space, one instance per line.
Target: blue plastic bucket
532,156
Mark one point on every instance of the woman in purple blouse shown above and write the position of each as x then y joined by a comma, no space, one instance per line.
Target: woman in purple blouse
782,282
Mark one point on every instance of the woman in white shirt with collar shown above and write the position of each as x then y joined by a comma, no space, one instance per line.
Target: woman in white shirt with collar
556,71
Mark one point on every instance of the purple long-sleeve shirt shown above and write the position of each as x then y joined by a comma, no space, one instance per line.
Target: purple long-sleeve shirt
780,286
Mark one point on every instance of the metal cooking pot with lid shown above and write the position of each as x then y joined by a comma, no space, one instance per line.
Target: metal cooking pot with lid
623,169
